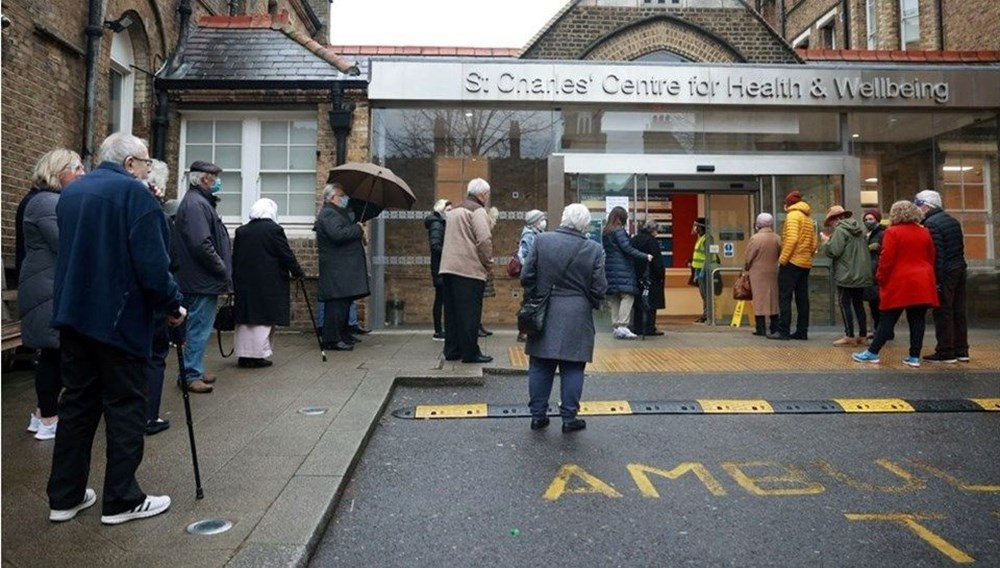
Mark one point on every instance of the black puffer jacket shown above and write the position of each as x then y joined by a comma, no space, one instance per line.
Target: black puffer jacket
949,247
875,245
435,224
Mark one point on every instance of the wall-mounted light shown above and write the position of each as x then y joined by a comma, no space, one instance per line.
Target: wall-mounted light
855,135
871,180
119,25
956,168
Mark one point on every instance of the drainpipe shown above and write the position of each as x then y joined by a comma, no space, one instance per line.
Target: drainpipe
845,9
781,20
95,29
940,24
340,121
161,122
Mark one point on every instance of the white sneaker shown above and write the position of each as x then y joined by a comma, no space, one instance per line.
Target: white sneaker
60,515
628,333
152,506
33,423
46,431
617,333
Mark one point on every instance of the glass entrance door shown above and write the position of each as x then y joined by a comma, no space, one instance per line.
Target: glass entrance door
730,224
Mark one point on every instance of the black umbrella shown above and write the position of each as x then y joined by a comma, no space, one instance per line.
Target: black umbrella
363,210
373,186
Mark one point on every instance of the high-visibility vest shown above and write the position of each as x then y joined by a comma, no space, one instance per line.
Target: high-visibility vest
698,257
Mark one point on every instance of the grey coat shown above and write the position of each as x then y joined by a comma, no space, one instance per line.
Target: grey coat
37,277
569,321
343,271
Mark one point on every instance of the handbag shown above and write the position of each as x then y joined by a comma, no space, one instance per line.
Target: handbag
225,320
514,265
742,289
531,316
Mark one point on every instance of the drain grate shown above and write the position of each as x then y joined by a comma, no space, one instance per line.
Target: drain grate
313,410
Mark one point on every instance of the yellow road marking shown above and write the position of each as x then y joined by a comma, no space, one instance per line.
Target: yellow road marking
603,407
724,406
874,404
451,411
991,404
952,480
639,475
593,484
909,520
911,483
791,475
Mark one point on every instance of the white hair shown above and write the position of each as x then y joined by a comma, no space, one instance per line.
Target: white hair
440,205
195,178
159,174
330,189
264,209
478,186
576,216
765,220
119,146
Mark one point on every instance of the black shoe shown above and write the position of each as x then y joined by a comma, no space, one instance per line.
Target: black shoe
438,336
779,336
940,358
452,358
341,346
574,425
759,333
360,330
702,319
156,426
539,423
478,359
483,332
962,357
799,335
653,333
352,340
253,363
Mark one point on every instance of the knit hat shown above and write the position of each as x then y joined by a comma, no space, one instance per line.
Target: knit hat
793,197
928,197
700,221
533,216
874,213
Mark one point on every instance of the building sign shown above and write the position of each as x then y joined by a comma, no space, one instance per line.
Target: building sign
773,85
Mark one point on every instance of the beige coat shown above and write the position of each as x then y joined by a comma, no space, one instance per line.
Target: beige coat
468,244
762,255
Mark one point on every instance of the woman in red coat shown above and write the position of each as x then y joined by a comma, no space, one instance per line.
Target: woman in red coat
906,281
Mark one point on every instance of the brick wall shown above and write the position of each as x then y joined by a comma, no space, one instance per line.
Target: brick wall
662,35
971,25
583,25
802,16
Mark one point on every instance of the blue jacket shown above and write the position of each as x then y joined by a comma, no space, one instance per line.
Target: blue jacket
619,264
113,269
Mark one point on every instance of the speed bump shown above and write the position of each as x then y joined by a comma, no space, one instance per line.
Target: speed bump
709,406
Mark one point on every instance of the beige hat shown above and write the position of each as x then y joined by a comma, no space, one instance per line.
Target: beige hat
835,212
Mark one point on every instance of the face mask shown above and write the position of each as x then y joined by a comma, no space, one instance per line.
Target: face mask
543,224
217,186
344,200
871,224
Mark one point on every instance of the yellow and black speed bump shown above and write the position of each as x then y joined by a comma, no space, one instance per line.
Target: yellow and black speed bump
710,406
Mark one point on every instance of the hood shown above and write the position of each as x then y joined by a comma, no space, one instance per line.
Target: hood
852,226
801,206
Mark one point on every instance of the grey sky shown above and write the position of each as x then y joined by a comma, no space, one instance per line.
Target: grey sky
467,23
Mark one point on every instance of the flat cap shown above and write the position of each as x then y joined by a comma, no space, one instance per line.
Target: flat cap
207,167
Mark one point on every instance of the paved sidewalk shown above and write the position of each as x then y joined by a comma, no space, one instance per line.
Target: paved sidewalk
273,472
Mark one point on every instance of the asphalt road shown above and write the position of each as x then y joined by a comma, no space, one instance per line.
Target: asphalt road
704,490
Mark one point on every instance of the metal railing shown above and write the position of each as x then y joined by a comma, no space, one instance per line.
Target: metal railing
710,291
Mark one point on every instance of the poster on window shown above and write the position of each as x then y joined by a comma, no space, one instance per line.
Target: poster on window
612,201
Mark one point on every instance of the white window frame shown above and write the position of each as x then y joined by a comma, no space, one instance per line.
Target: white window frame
827,22
122,60
871,24
903,40
804,36
984,163
296,225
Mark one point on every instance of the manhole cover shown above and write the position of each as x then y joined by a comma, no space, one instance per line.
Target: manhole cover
209,526
313,410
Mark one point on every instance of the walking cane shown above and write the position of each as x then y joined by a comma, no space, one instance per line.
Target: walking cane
177,336
319,340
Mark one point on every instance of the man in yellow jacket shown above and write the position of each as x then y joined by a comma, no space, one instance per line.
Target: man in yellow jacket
798,243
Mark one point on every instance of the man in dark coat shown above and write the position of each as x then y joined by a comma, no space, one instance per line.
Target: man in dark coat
644,312
343,271
435,224
112,275
950,326
262,261
204,261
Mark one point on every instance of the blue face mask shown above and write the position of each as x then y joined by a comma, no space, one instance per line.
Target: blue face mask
344,200
216,187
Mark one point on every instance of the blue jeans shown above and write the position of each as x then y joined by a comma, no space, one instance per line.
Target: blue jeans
201,315
541,372
352,315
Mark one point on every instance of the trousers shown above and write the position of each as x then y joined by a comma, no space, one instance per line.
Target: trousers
99,379
887,324
541,373
463,314
950,326
793,280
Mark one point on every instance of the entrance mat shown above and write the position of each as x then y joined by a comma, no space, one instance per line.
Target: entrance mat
786,357
708,406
